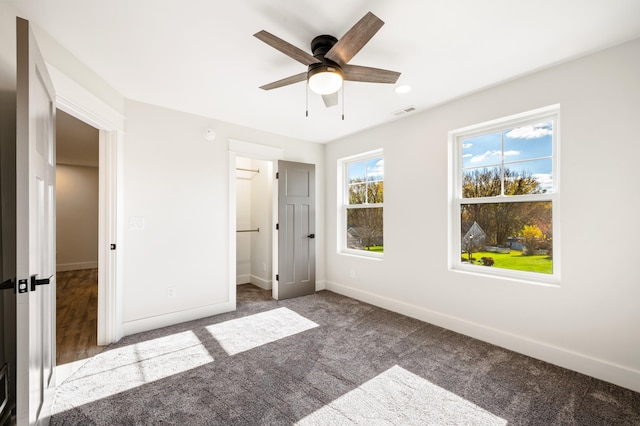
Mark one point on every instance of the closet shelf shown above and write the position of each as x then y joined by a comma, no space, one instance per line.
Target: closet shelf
248,230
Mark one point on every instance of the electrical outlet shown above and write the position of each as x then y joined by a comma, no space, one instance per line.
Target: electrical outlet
171,292
352,273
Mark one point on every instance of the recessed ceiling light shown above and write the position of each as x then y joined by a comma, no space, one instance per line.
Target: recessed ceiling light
403,89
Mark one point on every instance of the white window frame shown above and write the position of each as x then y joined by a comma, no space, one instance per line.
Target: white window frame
343,203
456,200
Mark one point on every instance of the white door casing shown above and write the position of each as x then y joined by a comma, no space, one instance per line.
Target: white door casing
258,152
35,231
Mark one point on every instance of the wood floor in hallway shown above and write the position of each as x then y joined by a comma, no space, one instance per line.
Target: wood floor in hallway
76,315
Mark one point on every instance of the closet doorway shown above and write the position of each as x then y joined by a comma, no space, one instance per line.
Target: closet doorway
254,222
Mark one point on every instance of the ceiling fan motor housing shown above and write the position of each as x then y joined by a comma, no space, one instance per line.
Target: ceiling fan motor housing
320,45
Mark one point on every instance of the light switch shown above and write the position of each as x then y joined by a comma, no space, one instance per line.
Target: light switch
136,222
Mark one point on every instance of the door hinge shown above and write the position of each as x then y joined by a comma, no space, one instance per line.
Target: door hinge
9,284
277,226
112,246
277,175
277,277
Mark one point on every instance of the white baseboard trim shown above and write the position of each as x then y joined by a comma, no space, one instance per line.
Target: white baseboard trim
321,285
151,323
76,266
260,282
243,279
598,368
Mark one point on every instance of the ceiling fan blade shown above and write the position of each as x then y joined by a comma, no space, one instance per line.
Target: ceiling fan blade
369,75
355,39
330,99
286,48
285,81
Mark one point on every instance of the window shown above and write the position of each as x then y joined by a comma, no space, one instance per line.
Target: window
362,200
504,191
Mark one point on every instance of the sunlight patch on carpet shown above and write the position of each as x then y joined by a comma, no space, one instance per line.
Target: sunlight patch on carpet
119,370
239,335
398,396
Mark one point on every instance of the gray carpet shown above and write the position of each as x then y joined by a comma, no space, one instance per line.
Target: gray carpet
327,359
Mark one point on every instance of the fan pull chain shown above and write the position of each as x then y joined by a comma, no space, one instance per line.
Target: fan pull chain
343,101
307,99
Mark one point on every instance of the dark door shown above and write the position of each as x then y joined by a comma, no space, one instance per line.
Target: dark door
296,230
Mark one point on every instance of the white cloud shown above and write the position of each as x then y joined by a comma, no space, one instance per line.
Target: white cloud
378,169
467,155
545,180
466,145
533,131
511,153
484,156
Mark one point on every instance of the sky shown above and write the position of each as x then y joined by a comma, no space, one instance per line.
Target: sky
526,149
373,169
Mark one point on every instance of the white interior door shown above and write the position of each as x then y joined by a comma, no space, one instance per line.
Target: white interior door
35,231
296,230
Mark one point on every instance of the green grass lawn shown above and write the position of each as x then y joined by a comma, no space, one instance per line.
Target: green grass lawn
515,260
379,249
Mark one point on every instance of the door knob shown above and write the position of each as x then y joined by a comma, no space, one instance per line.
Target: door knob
311,235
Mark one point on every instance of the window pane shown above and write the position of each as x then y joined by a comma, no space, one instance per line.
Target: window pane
513,162
528,177
375,169
357,172
515,236
375,181
375,192
364,229
485,182
482,151
357,193
366,181
531,141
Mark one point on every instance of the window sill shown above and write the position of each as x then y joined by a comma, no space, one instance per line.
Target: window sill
544,280
362,254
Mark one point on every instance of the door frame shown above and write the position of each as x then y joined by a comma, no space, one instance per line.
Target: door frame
238,148
83,105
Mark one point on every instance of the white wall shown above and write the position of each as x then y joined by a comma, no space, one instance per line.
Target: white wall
177,183
591,323
261,218
76,217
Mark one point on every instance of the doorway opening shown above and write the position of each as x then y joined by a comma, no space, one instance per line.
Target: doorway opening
254,222
267,157
77,232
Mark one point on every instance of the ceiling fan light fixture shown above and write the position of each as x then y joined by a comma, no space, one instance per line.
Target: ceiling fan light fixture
325,79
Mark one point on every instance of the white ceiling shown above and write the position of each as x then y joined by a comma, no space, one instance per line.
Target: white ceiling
200,56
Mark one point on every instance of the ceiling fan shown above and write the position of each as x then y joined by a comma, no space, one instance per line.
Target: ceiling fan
328,67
